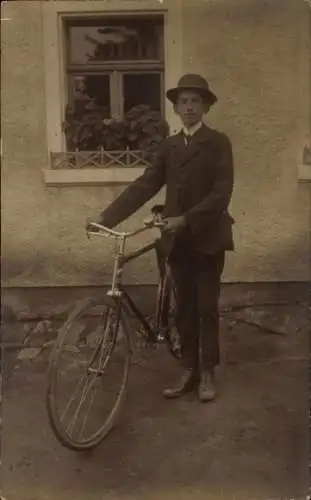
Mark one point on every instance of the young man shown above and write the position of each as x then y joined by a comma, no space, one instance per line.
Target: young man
197,167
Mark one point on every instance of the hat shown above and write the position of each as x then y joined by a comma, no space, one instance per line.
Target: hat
192,82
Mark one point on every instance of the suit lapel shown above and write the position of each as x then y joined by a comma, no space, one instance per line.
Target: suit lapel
182,153
179,149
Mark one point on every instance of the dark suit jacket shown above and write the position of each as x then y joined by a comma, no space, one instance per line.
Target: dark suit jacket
199,181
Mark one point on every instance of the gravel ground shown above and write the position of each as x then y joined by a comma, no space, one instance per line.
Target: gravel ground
252,443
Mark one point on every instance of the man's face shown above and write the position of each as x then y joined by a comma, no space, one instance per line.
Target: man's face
190,107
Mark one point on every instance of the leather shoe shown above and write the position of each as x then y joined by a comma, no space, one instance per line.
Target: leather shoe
207,389
186,384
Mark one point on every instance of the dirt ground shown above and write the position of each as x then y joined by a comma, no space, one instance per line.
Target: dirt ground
252,443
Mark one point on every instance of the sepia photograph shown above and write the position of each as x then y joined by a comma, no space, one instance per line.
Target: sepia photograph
156,250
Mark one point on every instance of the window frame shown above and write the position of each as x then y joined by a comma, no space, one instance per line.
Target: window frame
55,52
112,15
115,69
116,87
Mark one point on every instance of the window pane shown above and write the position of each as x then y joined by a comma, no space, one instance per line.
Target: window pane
118,39
89,90
89,100
142,89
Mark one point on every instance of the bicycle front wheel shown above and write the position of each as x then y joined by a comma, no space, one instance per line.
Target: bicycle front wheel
88,374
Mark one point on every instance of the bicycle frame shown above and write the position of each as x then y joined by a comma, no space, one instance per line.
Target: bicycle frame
120,296
117,292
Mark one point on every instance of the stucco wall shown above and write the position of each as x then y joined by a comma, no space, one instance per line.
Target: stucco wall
255,55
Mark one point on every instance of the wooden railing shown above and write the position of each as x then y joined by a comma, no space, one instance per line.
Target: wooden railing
97,159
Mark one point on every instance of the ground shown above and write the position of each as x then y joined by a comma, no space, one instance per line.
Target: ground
250,444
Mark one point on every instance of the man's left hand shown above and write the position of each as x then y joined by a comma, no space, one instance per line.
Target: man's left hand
174,224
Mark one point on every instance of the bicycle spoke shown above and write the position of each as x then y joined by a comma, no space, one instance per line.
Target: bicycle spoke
113,330
87,413
103,353
84,377
70,427
96,371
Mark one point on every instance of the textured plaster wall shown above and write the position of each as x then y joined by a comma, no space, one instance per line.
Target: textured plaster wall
255,55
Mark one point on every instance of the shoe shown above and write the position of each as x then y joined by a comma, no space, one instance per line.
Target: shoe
207,389
186,384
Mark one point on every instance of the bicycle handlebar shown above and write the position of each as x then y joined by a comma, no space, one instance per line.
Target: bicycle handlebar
105,231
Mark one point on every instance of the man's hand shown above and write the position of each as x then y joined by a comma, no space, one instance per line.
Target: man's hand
174,224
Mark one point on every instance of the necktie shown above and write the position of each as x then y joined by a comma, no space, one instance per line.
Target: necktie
187,139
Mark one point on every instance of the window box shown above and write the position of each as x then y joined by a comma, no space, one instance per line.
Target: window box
101,167
91,176
97,160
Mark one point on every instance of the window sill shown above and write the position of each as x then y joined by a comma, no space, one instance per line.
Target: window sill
91,177
304,173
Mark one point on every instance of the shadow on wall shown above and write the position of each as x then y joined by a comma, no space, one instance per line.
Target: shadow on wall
84,265
48,271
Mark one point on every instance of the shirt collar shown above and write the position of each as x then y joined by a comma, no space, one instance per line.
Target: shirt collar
193,129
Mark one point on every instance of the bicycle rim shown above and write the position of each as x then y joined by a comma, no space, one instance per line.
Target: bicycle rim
88,374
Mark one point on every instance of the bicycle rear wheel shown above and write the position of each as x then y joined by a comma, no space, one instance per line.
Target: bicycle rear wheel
166,305
88,374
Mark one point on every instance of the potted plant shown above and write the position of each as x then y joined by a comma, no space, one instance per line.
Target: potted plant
88,127
146,130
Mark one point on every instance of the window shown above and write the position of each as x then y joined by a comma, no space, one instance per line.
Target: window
114,63
137,68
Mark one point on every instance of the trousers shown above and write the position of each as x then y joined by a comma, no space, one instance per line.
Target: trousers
197,278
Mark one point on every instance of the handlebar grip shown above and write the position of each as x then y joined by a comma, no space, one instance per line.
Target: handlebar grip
154,222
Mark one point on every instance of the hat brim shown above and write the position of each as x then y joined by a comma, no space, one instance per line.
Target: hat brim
208,96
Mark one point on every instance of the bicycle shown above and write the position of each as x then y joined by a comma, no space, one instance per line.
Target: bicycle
102,340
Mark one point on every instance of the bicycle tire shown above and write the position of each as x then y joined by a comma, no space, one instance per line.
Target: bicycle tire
61,433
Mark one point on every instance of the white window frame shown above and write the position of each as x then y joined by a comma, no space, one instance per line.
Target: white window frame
55,71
